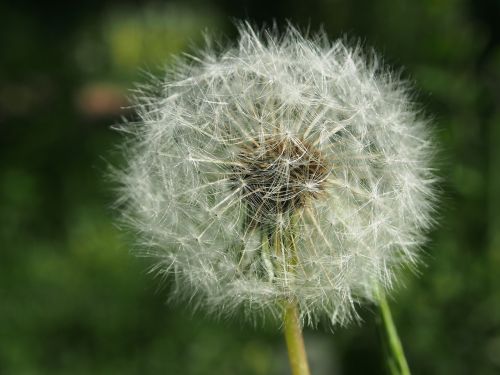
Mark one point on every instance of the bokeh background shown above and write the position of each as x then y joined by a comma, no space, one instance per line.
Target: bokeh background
73,300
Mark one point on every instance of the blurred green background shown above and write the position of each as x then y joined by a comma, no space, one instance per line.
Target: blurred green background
73,300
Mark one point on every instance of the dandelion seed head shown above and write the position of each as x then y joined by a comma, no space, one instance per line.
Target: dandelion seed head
284,167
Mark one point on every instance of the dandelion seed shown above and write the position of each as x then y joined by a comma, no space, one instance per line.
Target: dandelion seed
281,169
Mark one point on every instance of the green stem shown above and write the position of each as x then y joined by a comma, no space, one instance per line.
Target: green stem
295,341
397,361
292,327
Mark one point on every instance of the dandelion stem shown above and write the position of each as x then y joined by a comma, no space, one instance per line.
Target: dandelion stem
293,330
396,357
295,341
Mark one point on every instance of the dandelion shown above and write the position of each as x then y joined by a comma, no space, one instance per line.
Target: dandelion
284,176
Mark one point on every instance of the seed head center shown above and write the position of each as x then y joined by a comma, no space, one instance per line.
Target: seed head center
278,175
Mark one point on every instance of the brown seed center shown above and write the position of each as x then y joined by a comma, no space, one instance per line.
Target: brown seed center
277,175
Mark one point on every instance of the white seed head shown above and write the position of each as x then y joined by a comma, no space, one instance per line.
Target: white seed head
283,168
